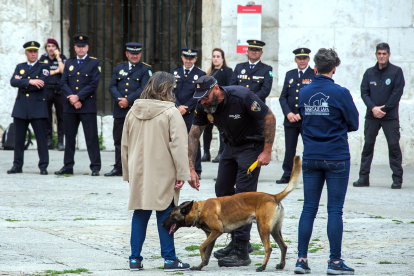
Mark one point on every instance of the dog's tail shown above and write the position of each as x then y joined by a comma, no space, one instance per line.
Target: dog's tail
294,178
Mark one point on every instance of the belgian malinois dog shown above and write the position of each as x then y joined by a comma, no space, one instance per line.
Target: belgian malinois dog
216,216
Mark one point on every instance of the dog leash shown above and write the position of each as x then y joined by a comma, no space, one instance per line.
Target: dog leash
251,169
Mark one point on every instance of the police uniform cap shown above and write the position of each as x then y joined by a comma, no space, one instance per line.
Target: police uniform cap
203,85
133,47
256,44
31,45
302,52
81,40
189,52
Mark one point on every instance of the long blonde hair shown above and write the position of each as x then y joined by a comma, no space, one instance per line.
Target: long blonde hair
159,87
212,65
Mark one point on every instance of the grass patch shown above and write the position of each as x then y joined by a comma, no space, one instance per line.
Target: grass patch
348,231
385,262
288,241
109,193
258,264
321,205
160,267
66,271
375,217
311,244
315,239
273,245
156,257
361,263
63,175
220,245
101,147
86,174
313,250
194,255
51,219
293,217
411,222
78,219
258,253
301,199
192,247
397,221
257,246
12,220
93,193
322,217
91,219
177,273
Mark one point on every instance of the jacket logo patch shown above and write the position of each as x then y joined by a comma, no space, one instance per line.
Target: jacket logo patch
237,116
71,68
255,106
149,73
45,72
388,82
317,105
271,74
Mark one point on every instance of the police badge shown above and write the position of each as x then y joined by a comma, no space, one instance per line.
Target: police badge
71,68
243,71
121,72
195,77
210,118
291,80
21,72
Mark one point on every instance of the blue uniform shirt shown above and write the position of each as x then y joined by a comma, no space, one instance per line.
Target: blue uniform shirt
184,91
328,113
81,81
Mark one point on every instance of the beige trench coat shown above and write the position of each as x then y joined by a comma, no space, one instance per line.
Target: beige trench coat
154,153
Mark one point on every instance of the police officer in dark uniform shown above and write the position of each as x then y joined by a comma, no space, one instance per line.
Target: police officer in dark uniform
79,82
254,74
243,117
30,107
295,80
185,76
54,95
127,82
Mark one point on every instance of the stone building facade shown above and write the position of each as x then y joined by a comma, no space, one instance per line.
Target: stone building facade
352,27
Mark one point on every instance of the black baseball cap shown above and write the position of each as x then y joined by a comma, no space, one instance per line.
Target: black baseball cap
203,85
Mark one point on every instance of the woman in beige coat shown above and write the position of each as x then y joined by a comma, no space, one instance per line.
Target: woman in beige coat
154,153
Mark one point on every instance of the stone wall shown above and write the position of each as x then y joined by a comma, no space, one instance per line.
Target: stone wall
353,28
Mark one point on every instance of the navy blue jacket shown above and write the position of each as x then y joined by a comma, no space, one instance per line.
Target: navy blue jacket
383,87
259,80
128,84
289,98
328,113
30,101
185,88
83,82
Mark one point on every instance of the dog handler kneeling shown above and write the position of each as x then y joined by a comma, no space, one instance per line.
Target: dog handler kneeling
243,117
328,113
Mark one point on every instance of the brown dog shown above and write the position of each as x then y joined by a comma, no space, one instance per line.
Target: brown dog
216,216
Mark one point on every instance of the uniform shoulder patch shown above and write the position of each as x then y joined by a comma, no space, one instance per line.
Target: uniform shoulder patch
292,70
92,57
23,62
44,62
146,64
122,62
200,69
241,63
266,64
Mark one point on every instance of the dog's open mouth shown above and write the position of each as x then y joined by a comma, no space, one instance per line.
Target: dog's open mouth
173,228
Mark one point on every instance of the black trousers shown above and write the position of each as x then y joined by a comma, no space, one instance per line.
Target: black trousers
291,141
391,130
57,100
117,134
90,129
232,176
188,119
208,136
39,128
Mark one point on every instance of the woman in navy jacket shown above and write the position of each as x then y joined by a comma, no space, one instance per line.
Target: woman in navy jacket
328,113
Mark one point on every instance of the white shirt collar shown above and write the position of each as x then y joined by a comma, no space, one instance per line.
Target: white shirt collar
28,63
130,65
83,57
188,69
254,63
304,70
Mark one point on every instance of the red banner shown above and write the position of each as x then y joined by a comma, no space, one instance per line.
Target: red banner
241,49
249,9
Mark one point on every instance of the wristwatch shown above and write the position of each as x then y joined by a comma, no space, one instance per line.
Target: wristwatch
59,60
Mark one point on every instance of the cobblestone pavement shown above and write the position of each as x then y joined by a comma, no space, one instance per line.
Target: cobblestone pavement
58,223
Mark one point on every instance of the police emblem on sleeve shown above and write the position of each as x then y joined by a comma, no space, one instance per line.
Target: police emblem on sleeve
210,117
149,73
255,106
71,68
388,82
45,72
21,72
99,68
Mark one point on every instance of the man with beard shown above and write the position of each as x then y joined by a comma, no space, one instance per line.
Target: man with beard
243,117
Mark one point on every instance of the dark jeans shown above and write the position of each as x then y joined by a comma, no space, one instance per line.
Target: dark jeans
336,174
232,172
391,130
117,134
208,136
139,231
58,101
291,141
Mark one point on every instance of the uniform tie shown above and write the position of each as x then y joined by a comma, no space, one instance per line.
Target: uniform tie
30,66
187,72
251,66
300,74
80,62
132,67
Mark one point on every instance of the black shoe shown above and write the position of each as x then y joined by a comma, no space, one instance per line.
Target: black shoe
217,159
43,172
114,172
199,176
95,173
64,171
226,250
215,179
339,268
361,182
283,180
15,170
302,267
49,142
396,185
239,256
60,145
135,265
206,157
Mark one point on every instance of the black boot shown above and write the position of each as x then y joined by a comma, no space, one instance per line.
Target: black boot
206,157
217,159
49,142
239,256
226,250
60,145
361,182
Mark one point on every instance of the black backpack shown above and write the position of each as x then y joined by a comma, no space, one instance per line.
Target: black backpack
7,141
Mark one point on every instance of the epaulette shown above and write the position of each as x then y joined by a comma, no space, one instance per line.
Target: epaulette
23,62
42,62
266,64
200,69
146,64
123,62
92,57
241,63
292,70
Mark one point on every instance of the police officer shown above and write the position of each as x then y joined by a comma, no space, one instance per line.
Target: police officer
185,76
243,117
289,99
30,107
54,95
254,74
127,82
79,82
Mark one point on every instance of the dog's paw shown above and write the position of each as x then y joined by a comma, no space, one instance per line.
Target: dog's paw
195,268
260,268
280,266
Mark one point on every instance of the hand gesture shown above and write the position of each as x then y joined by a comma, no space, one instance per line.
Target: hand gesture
183,109
38,83
194,182
178,184
123,103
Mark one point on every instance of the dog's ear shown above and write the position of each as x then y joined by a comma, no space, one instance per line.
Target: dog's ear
187,208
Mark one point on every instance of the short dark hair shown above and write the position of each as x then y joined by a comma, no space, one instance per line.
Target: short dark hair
325,60
383,46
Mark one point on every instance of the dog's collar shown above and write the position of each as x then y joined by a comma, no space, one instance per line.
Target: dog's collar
198,211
